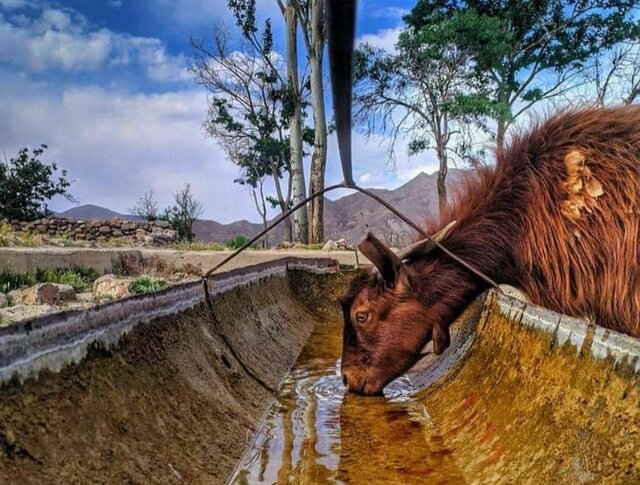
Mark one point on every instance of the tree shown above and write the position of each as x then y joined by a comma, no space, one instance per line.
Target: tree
296,128
146,207
27,183
428,89
184,212
244,12
311,17
532,50
248,109
615,76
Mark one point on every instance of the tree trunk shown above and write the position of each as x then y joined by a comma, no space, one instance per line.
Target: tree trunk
500,135
319,158
295,129
284,206
442,178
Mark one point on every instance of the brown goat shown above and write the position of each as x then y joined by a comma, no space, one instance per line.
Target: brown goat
558,217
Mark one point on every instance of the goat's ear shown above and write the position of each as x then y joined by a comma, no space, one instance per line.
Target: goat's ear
387,262
441,339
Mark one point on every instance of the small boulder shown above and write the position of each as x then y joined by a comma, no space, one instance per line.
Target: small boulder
85,297
328,246
108,286
40,294
67,293
162,224
105,230
14,296
285,245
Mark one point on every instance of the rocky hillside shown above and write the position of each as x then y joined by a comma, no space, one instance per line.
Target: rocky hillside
349,217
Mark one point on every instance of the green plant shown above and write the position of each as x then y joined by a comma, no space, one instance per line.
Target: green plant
5,233
144,285
81,278
27,183
239,241
12,281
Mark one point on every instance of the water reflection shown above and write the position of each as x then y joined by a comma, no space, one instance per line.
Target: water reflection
317,434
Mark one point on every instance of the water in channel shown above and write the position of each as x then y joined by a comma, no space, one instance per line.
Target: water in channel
315,433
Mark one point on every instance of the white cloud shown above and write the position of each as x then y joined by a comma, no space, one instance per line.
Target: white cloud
115,3
116,145
64,40
387,12
197,13
11,4
383,39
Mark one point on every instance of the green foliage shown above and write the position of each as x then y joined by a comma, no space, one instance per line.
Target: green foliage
80,277
512,42
239,241
10,281
5,234
144,285
183,213
428,89
27,183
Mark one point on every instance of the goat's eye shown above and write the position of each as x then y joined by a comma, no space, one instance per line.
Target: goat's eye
361,317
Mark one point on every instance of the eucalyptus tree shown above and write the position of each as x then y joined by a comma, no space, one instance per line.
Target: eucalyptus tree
311,18
249,108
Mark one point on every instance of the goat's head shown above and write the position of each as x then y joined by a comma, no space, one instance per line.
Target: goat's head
387,321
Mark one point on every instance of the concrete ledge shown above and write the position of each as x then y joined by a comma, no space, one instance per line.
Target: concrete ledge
104,260
53,341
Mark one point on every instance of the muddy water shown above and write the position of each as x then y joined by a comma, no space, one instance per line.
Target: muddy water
317,434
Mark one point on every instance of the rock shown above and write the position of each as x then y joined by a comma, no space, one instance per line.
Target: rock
117,233
4,301
105,230
85,297
328,246
162,224
170,235
339,245
67,293
108,286
14,296
178,277
284,245
40,294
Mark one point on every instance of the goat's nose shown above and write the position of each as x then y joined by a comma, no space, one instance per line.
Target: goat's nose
345,380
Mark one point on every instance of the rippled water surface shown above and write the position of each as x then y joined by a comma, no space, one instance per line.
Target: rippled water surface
317,434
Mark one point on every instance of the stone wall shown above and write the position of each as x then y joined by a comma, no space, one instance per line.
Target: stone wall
134,232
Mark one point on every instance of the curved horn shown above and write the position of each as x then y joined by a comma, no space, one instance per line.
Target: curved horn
424,246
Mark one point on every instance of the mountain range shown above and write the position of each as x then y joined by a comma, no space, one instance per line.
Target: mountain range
348,217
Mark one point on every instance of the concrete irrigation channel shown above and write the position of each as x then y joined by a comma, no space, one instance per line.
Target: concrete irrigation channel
163,388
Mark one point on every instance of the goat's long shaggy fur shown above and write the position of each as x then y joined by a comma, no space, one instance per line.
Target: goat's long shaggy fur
559,216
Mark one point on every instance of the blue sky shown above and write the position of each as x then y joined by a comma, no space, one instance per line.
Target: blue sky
103,84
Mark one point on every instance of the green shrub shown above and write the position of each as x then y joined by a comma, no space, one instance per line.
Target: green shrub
5,234
239,241
81,278
12,281
145,284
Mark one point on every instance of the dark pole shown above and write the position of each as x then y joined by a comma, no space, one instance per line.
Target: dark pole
341,27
